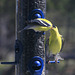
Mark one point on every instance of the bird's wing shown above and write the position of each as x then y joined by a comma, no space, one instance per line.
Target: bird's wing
62,39
39,22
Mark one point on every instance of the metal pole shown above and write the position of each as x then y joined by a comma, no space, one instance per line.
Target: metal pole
33,42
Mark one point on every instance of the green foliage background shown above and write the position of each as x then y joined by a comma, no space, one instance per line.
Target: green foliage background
60,13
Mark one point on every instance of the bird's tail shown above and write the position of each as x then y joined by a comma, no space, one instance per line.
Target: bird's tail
25,28
58,57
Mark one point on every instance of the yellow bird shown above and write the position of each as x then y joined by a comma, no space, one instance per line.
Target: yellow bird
55,43
38,24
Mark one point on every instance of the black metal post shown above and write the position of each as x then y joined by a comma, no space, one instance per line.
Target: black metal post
33,42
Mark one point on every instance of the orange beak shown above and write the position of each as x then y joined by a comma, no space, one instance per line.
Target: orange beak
51,27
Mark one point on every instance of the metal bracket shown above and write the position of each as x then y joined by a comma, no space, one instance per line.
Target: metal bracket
18,52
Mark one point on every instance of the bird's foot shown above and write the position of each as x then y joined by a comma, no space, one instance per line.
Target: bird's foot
56,60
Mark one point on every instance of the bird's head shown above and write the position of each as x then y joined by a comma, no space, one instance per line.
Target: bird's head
54,29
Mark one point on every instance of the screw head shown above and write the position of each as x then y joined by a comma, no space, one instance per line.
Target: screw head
37,16
36,65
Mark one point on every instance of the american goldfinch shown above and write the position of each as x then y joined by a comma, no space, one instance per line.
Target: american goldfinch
55,43
38,24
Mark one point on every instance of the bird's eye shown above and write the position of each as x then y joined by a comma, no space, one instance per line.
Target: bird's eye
54,26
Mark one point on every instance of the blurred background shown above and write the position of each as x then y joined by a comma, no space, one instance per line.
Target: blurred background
60,13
